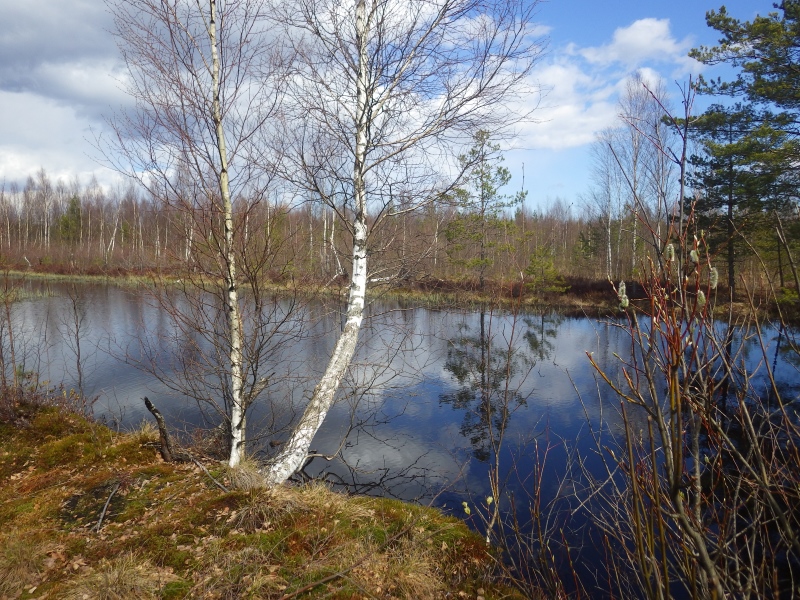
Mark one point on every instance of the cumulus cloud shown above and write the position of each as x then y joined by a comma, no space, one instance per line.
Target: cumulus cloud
643,40
576,106
58,78
49,34
39,132
61,75
583,84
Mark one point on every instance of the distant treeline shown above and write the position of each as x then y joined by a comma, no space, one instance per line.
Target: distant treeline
80,227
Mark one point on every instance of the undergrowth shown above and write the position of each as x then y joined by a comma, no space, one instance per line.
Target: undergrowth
86,512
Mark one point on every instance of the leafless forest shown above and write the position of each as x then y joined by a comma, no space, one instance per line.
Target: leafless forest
77,227
359,149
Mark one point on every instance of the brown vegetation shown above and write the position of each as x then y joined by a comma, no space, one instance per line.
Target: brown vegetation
169,532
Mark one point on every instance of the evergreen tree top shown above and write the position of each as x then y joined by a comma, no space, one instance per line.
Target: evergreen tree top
766,51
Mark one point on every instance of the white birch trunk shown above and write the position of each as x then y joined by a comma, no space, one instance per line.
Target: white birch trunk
339,269
609,272
188,241
295,450
110,249
238,406
323,248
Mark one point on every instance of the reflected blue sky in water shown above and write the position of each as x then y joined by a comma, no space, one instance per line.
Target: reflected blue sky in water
398,428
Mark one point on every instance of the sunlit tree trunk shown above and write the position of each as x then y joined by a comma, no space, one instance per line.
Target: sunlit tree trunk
296,448
370,128
238,408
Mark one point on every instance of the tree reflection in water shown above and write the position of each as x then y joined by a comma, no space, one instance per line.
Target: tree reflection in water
490,362
486,363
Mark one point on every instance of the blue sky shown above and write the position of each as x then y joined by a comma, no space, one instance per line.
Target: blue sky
594,47
59,74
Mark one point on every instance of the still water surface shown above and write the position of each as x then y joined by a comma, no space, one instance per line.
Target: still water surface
424,406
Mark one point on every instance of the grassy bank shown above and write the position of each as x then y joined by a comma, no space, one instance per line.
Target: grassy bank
86,512
580,298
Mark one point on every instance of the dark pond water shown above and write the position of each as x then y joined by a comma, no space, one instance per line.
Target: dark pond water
433,397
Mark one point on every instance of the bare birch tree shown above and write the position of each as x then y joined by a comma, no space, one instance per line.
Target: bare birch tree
640,152
633,175
203,76
605,196
383,92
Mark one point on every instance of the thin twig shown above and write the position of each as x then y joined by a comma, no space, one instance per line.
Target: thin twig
97,527
210,476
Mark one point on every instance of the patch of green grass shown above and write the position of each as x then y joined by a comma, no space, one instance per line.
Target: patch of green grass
177,590
13,510
160,547
129,451
56,422
134,509
78,448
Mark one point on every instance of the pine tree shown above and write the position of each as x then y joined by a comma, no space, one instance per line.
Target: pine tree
479,231
765,154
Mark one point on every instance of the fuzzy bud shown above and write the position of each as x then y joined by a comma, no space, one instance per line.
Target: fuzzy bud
693,257
622,295
701,299
713,278
669,252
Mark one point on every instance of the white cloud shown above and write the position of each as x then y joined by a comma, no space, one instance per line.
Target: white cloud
91,87
56,83
577,105
643,40
40,132
585,83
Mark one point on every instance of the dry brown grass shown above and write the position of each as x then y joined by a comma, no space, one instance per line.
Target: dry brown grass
234,574
404,570
274,505
125,577
246,476
146,433
21,562
171,533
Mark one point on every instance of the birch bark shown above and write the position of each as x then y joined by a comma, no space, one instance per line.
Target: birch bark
238,408
384,91
295,450
207,78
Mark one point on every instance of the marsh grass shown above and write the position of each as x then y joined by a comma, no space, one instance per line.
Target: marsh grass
127,576
245,476
21,562
18,294
169,532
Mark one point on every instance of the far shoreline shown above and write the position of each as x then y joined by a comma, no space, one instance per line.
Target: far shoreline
583,297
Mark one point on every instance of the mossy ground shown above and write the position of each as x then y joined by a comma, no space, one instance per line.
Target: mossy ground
169,532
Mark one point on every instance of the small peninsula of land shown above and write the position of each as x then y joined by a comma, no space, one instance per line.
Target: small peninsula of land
89,512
